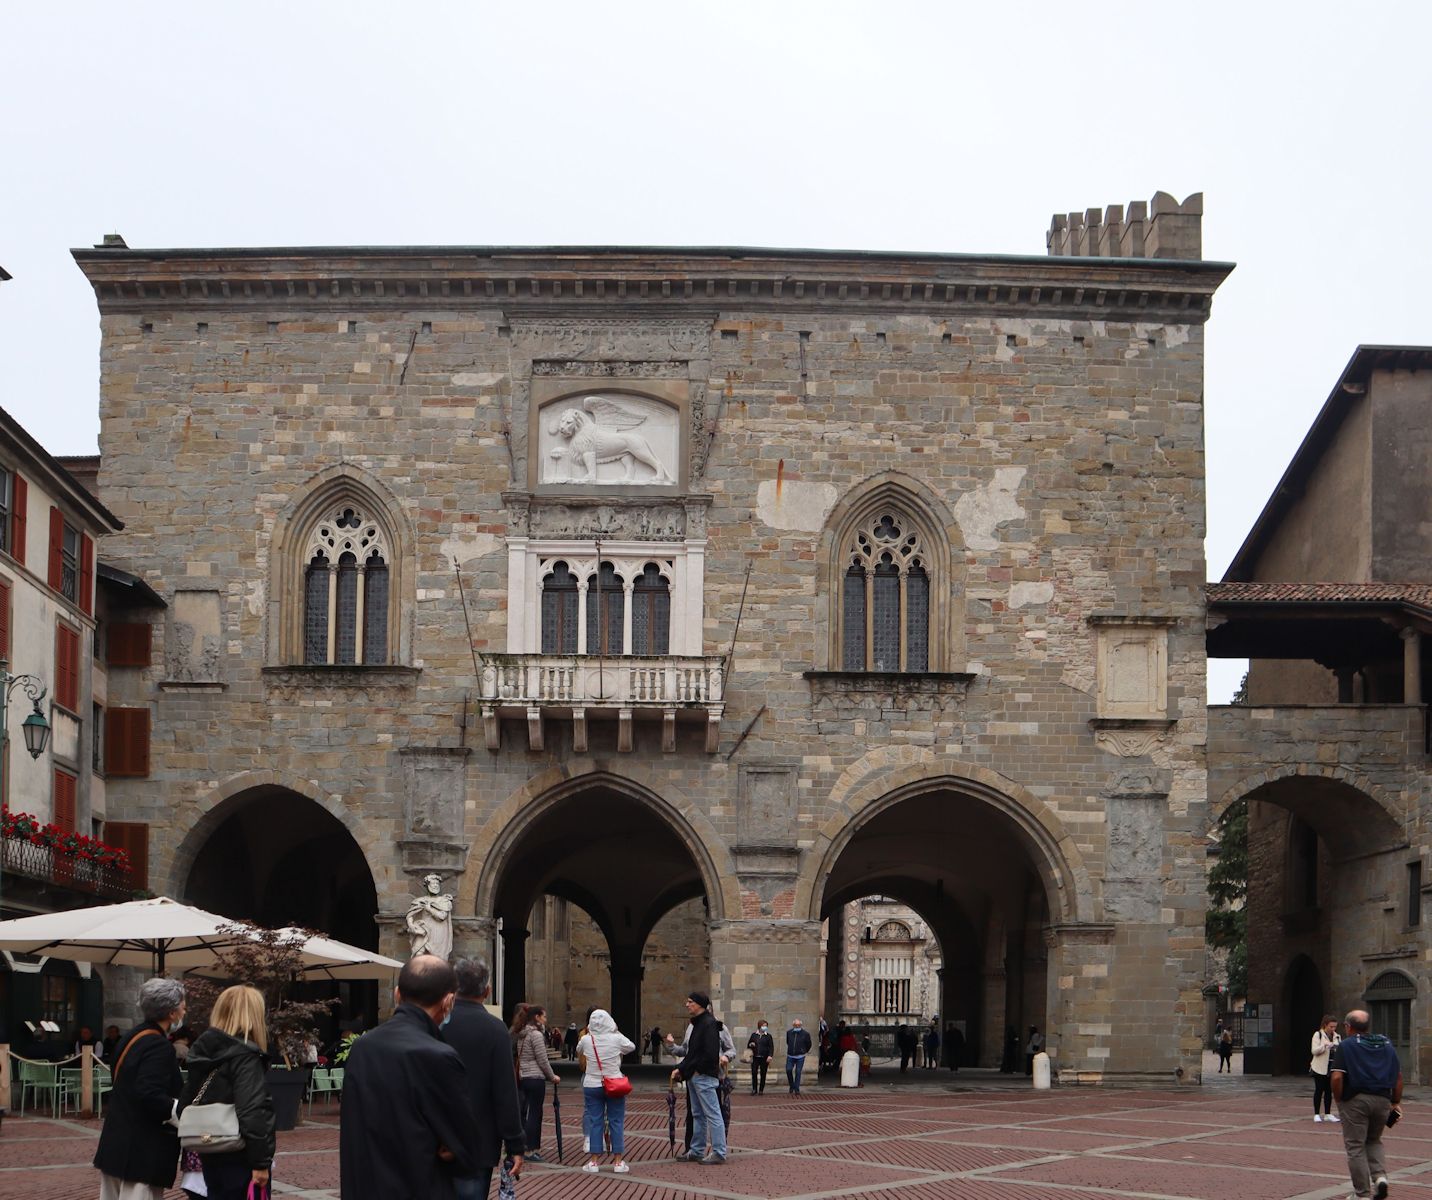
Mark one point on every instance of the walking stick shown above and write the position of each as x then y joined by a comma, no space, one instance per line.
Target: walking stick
557,1120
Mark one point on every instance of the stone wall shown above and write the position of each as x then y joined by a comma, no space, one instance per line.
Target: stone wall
1046,413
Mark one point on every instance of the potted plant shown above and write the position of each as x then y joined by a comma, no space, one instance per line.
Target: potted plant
270,961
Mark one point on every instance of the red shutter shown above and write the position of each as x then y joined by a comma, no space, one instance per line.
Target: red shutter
133,838
64,800
86,574
126,742
5,620
17,519
129,644
57,548
67,668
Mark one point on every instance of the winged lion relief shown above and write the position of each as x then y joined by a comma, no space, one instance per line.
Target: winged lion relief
606,441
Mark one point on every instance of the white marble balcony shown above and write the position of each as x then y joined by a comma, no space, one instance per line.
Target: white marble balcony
663,687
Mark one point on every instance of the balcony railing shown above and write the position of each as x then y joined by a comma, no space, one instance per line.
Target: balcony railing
48,865
671,687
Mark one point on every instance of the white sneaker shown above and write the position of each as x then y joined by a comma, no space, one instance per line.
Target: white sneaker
1317,1116
621,1168
1330,1117
591,1168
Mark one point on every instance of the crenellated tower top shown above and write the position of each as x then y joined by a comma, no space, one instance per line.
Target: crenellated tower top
1161,228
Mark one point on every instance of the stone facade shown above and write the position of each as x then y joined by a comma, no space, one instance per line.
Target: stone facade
1020,760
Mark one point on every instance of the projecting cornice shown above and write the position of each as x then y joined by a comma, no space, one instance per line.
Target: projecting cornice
570,280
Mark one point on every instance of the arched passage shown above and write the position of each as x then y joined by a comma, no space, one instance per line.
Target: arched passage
980,877
1323,853
596,865
275,857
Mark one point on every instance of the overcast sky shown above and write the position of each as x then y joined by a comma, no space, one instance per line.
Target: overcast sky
941,127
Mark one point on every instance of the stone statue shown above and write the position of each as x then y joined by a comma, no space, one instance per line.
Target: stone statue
429,920
598,433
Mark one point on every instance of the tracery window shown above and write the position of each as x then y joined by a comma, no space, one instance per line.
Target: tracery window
345,610
885,595
615,607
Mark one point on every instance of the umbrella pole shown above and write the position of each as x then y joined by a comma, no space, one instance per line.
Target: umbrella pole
557,1121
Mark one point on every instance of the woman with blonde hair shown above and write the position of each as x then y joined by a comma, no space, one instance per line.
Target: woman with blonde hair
227,1062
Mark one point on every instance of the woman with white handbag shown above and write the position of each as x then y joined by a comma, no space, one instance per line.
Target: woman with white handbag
226,1113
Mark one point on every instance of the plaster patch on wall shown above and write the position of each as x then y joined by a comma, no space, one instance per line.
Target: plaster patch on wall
980,512
1175,335
1038,592
254,598
466,547
792,504
477,378
1033,333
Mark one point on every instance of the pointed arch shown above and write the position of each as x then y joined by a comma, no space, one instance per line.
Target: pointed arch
341,569
893,580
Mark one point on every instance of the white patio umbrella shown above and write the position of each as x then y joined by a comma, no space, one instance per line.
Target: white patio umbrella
164,935
326,958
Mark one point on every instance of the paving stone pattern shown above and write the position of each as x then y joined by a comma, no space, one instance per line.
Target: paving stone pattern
1250,1139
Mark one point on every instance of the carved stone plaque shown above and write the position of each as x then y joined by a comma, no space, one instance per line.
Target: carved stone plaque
434,789
191,649
1133,874
609,438
766,812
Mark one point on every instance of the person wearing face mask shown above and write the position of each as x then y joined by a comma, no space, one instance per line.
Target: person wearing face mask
408,1125
762,1046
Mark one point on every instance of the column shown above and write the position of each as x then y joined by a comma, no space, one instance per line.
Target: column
627,971
514,969
1411,667
765,968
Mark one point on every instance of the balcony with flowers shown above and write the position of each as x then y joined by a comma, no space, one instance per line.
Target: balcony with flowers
49,854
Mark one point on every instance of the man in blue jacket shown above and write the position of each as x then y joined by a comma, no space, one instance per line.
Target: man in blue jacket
1367,1084
408,1126
797,1047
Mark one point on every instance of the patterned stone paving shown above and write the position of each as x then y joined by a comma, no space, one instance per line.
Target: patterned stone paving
991,1140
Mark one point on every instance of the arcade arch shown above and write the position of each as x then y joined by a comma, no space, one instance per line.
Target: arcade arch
604,860
980,869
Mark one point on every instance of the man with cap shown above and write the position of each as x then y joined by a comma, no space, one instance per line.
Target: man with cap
701,1068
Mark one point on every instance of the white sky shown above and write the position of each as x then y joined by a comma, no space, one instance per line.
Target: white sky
920,126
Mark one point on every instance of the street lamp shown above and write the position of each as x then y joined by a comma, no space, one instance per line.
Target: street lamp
35,728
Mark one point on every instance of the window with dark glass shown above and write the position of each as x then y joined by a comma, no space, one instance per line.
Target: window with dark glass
315,611
606,611
650,612
70,557
6,507
884,598
559,611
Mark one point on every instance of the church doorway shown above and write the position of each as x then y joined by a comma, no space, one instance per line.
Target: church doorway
602,901
277,858
976,880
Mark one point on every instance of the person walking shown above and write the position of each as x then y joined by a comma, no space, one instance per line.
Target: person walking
569,1041
407,1126
1225,1051
1325,1037
653,1044
1011,1051
1032,1047
483,1044
1367,1084
932,1045
954,1046
138,1151
534,1073
797,1047
762,1047
602,1046
227,1065
701,1068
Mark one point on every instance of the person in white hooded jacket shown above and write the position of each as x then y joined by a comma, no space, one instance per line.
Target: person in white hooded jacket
600,1049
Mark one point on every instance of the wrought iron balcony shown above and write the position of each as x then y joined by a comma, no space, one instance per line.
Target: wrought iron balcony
47,865
670,688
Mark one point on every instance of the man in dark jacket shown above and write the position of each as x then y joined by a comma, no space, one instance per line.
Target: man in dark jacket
1366,1081
762,1047
797,1047
486,1050
408,1128
139,1143
701,1068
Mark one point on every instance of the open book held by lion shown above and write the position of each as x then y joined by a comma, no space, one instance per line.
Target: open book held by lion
600,432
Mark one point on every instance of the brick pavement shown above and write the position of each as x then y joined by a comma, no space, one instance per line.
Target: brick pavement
989,1140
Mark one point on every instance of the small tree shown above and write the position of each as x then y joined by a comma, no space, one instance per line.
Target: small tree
271,961
1226,925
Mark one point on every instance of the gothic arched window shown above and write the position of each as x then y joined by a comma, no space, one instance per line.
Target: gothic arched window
618,606
345,592
650,612
606,611
885,594
559,611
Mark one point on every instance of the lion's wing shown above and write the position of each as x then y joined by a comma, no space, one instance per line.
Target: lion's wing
613,416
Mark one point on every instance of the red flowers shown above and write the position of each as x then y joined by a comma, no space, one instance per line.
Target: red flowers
25,827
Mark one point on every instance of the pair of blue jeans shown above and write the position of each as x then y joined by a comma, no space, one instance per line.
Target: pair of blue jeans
795,1064
476,1187
596,1105
706,1123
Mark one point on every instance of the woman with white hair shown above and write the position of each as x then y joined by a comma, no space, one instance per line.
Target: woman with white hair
138,1152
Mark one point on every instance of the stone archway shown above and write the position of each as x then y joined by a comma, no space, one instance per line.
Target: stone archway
612,850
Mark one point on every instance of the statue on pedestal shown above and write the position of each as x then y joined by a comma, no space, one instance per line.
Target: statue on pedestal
429,920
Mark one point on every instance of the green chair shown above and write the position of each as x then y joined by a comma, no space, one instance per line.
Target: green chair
319,1084
36,1077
